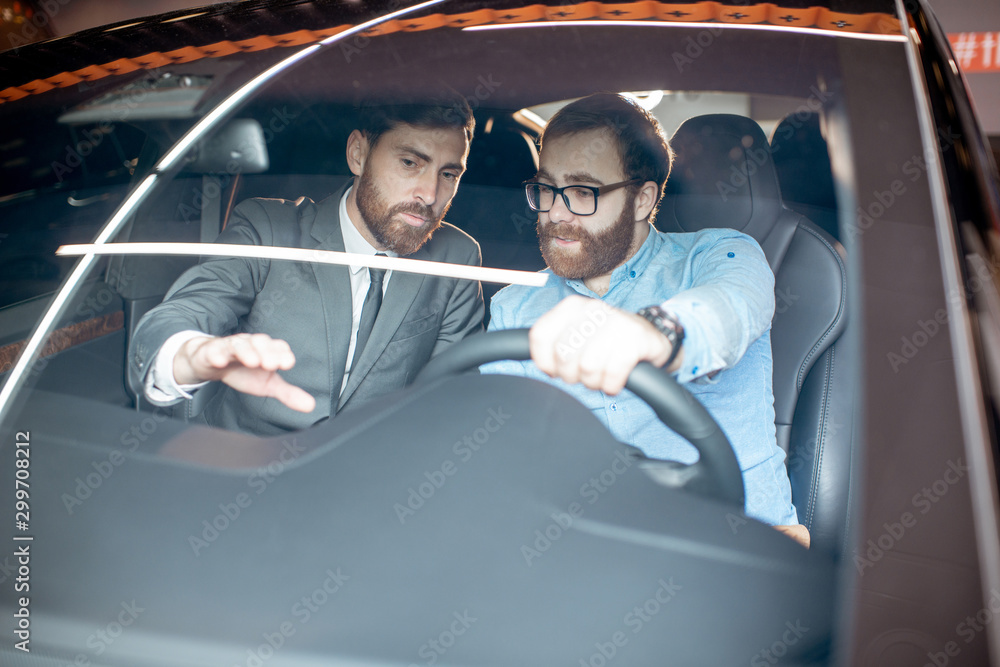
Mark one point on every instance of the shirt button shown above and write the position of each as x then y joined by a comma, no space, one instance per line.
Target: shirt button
631,274
731,255
614,407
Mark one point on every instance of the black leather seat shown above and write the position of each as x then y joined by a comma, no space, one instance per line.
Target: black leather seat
802,162
724,176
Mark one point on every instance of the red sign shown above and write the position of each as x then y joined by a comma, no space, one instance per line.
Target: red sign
976,51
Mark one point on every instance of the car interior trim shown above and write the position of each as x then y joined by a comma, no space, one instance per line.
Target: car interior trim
68,290
68,336
967,378
818,18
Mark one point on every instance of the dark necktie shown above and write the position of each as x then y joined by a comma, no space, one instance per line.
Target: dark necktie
369,311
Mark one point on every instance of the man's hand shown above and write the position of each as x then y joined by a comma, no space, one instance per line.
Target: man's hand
798,532
247,363
585,340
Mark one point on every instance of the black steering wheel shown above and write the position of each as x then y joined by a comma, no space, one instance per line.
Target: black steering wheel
715,474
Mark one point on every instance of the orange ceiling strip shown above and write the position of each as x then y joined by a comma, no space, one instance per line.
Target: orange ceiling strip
220,49
751,14
65,79
760,13
184,54
122,66
792,17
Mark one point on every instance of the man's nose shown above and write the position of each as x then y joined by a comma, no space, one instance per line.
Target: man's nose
559,211
425,188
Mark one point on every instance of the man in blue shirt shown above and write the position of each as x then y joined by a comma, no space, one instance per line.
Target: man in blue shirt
698,304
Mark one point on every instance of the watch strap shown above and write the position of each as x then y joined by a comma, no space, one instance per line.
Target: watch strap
668,325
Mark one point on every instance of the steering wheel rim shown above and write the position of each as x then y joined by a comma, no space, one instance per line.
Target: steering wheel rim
716,473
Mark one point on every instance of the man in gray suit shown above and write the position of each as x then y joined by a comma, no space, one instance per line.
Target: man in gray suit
339,335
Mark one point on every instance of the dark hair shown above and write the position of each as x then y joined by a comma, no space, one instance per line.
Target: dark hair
644,149
442,109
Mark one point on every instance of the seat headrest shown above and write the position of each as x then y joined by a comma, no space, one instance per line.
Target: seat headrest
798,147
723,176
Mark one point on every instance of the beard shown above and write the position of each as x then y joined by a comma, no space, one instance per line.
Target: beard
597,255
392,233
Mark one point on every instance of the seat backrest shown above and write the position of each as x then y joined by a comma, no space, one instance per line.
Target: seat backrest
802,162
724,176
490,203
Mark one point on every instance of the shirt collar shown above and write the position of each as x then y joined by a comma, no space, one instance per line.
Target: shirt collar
633,267
353,240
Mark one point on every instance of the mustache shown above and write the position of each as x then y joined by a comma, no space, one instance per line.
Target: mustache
569,232
414,208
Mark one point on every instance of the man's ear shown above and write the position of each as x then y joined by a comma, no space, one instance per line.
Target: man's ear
357,152
645,201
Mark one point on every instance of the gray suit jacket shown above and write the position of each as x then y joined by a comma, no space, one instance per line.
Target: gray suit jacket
309,305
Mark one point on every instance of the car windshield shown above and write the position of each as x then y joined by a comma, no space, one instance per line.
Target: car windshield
104,137
794,126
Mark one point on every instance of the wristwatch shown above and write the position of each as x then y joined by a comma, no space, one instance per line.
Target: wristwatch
668,325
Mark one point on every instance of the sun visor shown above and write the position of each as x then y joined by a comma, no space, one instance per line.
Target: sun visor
169,95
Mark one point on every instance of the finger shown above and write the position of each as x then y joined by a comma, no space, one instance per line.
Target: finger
567,362
274,353
593,360
542,346
617,370
294,397
545,335
217,353
244,351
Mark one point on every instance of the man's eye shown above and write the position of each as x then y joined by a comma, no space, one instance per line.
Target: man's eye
451,176
582,194
408,162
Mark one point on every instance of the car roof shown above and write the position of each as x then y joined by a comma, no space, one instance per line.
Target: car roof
260,25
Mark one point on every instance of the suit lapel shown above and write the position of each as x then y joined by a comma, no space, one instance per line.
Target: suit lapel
334,284
399,297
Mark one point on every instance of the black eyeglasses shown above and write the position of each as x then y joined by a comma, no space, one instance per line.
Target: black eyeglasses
579,199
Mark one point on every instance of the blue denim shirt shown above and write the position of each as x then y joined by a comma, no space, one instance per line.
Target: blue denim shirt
718,283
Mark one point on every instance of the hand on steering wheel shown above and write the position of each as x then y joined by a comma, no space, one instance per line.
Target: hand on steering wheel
716,473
